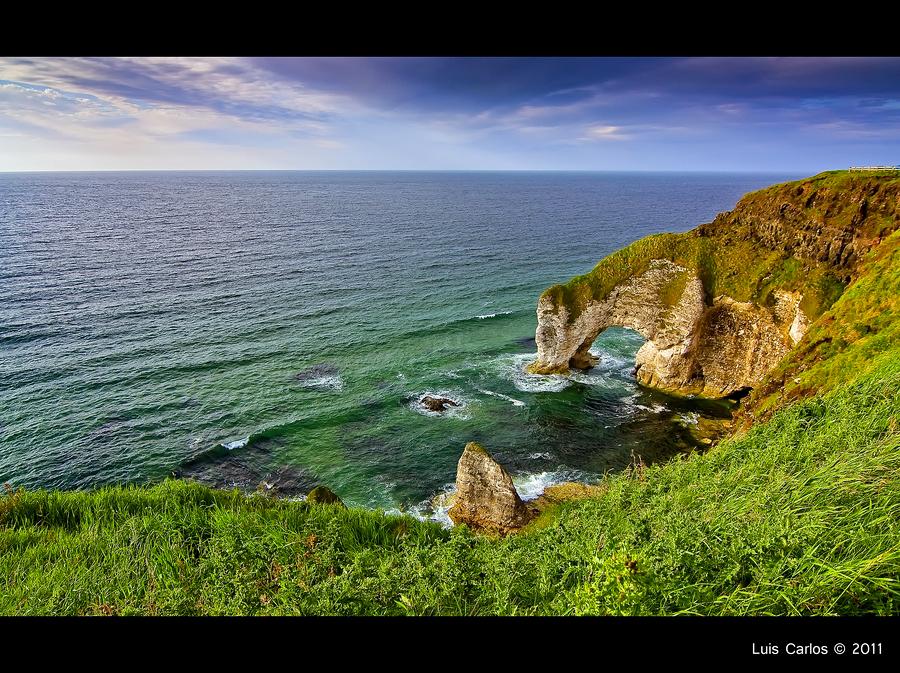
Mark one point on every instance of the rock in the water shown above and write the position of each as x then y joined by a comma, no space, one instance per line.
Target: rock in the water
323,376
486,499
438,404
316,372
322,495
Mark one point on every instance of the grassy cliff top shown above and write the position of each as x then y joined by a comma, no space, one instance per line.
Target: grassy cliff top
809,236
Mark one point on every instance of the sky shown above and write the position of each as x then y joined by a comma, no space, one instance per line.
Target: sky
793,114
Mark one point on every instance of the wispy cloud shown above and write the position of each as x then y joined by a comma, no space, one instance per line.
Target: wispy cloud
604,132
440,112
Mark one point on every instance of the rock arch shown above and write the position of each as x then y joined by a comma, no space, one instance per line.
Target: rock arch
694,344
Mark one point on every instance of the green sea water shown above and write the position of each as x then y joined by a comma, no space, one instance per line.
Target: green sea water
280,327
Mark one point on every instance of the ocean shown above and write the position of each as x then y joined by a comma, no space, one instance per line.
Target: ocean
279,327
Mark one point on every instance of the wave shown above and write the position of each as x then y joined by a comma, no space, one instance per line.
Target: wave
222,449
540,455
236,444
515,402
456,324
656,408
329,382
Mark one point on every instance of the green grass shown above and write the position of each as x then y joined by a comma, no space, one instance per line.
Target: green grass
845,342
801,515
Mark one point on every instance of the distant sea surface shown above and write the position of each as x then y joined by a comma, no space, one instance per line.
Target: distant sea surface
279,327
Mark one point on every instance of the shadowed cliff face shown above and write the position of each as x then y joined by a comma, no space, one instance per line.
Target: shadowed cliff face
721,305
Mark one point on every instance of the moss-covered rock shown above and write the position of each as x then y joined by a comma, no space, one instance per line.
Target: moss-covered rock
322,495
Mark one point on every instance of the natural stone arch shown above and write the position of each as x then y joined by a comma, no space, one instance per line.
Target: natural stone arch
693,345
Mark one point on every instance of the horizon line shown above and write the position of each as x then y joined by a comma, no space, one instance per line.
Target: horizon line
413,170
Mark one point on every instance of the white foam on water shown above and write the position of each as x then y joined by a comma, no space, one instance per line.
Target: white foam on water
492,315
236,444
330,382
597,378
531,486
515,402
543,455
656,408
689,418
513,367
433,509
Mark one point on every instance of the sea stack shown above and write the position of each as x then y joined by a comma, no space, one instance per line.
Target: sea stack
486,499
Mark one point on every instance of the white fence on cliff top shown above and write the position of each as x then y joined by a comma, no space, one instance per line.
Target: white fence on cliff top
875,168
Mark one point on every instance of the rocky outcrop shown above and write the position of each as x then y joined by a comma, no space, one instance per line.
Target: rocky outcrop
486,499
721,306
694,345
568,490
322,495
434,403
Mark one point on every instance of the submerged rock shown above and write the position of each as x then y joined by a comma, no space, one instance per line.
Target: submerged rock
247,470
528,343
433,403
323,376
322,495
316,372
486,499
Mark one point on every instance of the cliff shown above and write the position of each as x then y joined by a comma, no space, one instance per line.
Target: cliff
722,305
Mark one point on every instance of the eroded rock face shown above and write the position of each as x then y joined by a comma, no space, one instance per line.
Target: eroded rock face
694,345
486,499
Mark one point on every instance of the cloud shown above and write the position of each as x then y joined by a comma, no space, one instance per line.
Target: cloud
604,132
438,112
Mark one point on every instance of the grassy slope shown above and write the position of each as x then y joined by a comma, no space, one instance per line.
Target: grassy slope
845,341
801,515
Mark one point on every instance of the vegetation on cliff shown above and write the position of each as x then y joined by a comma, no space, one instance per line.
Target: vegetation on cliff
845,342
740,255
